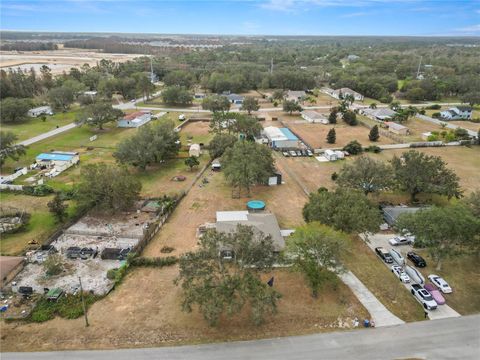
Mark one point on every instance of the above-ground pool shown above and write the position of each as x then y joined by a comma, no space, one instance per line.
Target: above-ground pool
255,205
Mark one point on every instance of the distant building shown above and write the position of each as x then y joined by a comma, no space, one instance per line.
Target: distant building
396,128
42,110
90,93
353,57
460,112
341,93
314,117
234,98
135,120
280,137
200,96
381,114
294,95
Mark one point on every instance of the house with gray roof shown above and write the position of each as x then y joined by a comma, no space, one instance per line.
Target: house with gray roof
381,114
262,222
460,112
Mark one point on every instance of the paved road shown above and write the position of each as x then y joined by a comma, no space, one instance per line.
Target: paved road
47,134
443,311
448,125
457,338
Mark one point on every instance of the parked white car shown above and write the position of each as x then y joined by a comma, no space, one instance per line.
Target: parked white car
397,257
400,240
402,275
424,297
440,283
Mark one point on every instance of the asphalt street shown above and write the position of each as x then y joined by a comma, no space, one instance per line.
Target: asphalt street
453,338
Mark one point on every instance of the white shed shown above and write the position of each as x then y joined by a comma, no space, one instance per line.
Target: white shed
194,150
330,155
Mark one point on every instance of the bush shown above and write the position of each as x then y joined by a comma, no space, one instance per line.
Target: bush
434,107
154,262
353,148
67,307
38,190
53,265
436,115
334,176
373,148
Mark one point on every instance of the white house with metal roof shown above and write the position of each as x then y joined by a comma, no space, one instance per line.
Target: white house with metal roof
314,117
461,112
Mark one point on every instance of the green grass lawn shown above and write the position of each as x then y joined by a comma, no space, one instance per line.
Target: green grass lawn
35,126
381,282
42,224
462,274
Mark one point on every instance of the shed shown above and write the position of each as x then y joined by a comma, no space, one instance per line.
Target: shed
57,160
54,294
194,150
397,128
235,98
275,179
330,155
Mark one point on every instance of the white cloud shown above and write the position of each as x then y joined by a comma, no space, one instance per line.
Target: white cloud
356,14
296,5
470,29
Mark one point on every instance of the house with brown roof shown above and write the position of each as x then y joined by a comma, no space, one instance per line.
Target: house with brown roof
135,120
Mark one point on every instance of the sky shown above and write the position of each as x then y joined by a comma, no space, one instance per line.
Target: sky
246,17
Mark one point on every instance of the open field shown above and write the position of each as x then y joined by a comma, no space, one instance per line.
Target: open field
145,311
463,160
466,124
41,225
59,60
315,134
35,126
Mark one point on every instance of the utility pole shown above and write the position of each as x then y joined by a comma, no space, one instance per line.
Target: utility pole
271,66
83,303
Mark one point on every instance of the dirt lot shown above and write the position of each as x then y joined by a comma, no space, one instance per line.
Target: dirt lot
144,311
466,124
315,134
201,203
417,127
58,60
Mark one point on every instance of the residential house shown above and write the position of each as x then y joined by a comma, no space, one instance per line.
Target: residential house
391,213
135,120
314,117
57,161
261,222
235,98
381,114
42,110
200,96
396,128
341,93
280,137
297,96
460,112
